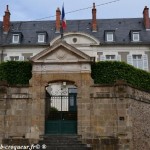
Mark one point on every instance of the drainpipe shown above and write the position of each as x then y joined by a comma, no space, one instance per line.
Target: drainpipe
2,53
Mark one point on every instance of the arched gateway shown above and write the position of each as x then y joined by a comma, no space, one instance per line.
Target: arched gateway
61,79
61,108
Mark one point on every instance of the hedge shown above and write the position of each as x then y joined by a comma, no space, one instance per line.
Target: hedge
15,72
107,72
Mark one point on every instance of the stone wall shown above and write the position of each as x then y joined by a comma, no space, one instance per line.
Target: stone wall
139,112
108,117
118,112
15,111
113,117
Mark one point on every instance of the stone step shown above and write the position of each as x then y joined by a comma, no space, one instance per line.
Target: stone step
66,148
15,142
63,142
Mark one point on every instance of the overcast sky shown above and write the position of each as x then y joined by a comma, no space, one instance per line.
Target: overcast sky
36,9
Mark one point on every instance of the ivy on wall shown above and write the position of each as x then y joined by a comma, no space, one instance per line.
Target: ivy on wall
15,72
107,72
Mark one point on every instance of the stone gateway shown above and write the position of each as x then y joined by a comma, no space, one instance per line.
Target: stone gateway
62,99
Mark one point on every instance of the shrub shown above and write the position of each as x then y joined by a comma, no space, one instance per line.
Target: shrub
15,72
107,72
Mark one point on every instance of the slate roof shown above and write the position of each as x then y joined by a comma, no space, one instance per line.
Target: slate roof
121,27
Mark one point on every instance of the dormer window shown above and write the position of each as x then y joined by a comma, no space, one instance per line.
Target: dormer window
109,36
135,36
41,36
16,38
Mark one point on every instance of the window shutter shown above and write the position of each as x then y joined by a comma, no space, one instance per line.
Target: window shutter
21,58
6,58
145,62
129,59
118,57
102,58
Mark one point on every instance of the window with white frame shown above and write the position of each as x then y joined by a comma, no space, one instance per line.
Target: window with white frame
138,60
136,36
15,38
14,58
41,38
109,36
110,57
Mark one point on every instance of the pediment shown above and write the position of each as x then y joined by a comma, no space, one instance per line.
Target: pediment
61,52
77,38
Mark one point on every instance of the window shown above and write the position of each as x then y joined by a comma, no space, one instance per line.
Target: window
138,60
16,38
110,37
14,58
41,38
110,57
136,36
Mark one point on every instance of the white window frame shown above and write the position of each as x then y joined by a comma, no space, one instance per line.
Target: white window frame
13,58
15,38
144,59
136,36
137,59
110,57
41,38
103,57
109,36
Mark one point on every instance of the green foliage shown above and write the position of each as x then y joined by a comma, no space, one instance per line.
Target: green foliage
15,72
53,109
107,72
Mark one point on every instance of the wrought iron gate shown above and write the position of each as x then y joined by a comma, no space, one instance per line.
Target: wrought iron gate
61,114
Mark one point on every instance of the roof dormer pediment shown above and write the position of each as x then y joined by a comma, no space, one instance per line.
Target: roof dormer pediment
61,52
77,38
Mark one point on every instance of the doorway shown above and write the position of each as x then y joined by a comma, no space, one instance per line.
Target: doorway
61,108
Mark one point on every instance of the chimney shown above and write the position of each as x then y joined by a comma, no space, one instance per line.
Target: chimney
146,17
94,23
6,21
58,23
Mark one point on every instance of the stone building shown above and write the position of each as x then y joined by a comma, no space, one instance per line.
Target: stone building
61,97
125,39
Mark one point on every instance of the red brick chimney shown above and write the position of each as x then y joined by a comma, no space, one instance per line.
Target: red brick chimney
94,23
146,18
58,23
6,20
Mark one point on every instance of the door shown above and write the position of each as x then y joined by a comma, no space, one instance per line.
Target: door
61,111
